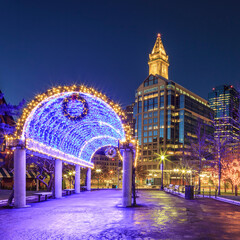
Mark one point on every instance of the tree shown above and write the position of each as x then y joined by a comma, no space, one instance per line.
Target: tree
200,147
219,147
44,169
7,127
140,172
231,166
10,111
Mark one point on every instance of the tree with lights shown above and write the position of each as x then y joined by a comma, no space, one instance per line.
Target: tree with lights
231,166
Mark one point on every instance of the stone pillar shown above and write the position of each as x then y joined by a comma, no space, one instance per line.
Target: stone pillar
89,179
58,178
77,179
19,178
127,176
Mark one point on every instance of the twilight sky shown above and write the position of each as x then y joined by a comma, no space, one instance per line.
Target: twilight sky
105,44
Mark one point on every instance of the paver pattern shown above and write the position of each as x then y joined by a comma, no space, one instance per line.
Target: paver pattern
97,215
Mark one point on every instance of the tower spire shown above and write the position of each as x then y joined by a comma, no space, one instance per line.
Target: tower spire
158,59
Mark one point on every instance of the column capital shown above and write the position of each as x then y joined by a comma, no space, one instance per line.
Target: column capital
127,146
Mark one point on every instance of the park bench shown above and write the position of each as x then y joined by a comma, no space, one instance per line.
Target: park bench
69,191
46,194
83,188
176,188
169,188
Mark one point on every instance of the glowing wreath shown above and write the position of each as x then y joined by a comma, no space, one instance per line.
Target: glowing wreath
75,98
110,152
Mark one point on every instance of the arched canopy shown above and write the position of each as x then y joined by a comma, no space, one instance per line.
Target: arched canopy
71,123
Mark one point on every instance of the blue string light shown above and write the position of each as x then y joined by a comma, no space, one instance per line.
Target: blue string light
73,124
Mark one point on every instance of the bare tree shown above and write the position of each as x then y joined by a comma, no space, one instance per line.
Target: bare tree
44,169
199,148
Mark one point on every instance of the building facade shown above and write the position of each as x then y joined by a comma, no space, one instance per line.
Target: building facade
224,100
130,119
166,113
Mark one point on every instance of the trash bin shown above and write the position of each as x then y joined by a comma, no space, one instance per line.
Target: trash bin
189,192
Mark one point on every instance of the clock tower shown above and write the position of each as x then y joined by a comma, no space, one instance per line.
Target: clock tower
158,59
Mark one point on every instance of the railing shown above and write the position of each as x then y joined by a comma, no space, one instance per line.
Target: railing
205,193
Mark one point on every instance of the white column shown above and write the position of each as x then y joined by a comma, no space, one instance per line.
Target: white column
58,178
89,179
19,178
77,179
127,177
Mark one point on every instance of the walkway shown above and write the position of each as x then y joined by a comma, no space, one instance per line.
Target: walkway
95,215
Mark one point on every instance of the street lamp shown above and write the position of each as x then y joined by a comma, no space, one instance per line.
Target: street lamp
98,172
162,157
70,174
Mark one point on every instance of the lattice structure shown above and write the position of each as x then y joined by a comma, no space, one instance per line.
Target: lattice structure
71,124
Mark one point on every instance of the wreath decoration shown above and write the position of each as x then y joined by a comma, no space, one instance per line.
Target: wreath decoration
75,97
110,152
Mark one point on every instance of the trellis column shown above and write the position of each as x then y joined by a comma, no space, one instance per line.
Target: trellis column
58,178
20,177
77,179
127,152
89,179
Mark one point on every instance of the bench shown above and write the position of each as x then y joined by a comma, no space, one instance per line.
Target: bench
176,188
169,188
83,188
69,191
46,194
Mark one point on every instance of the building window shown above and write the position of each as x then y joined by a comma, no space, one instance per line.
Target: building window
181,127
139,128
139,106
161,101
154,133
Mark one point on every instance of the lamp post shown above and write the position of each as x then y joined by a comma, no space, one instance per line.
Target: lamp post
98,172
162,160
70,174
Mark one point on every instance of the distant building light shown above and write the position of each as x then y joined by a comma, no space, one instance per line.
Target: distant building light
213,89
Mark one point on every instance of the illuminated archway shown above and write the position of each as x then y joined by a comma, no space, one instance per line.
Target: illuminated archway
69,124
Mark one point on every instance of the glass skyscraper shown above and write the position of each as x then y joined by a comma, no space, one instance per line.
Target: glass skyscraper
224,100
166,113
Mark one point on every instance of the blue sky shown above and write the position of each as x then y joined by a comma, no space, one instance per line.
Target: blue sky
105,44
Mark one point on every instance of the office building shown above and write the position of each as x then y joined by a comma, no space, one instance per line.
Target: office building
166,113
224,100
